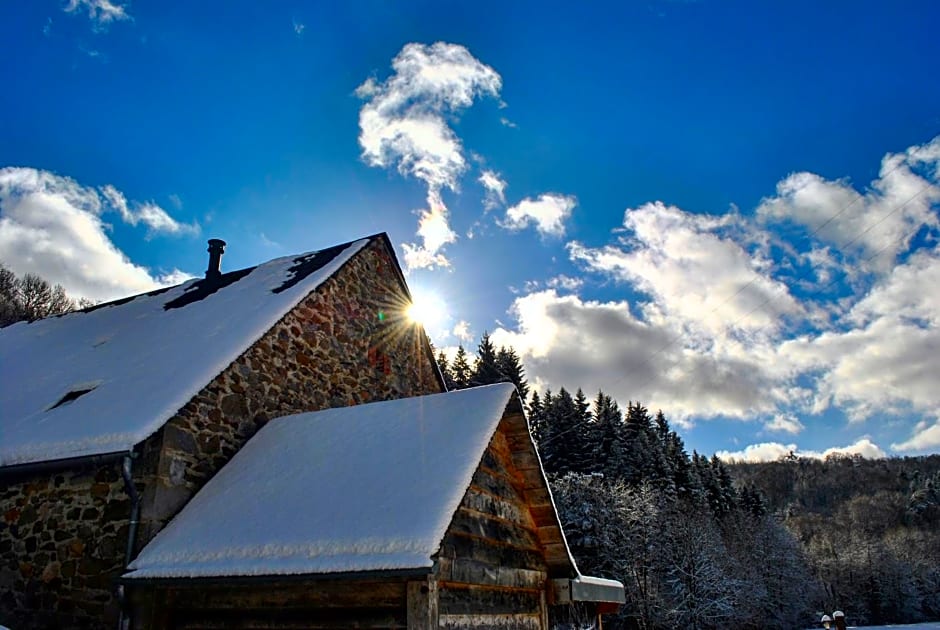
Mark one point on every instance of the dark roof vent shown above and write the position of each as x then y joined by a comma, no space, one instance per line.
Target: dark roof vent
216,249
74,394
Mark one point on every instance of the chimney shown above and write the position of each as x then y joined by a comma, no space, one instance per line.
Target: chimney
216,249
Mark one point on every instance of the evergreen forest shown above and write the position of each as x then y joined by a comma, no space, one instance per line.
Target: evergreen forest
703,543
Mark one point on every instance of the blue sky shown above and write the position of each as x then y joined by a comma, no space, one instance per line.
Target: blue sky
728,210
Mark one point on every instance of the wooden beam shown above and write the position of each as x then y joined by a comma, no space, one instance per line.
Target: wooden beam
492,622
469,571
271,619
422,605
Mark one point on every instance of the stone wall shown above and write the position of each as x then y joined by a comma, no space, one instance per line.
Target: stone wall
62,535
62,539
347,343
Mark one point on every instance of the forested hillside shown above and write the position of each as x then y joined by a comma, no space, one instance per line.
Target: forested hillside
701,543
871,528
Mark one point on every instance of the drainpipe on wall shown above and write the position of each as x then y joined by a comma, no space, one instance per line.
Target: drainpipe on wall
124,619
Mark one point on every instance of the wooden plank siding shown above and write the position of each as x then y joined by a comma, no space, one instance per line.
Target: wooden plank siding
535,490
286,605
491,569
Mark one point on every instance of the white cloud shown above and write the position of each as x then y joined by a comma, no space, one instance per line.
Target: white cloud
148,213
435,232
926,437
772,451
763,452
784,423
404,123
886,357
298,27
565,283
877,224
101,12
733,320
462,331
548,213
495,188
564,340
507,123
53,226
668,253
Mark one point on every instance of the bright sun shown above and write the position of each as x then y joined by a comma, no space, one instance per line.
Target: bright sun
427,310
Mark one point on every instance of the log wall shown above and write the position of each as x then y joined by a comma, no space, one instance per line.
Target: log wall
491,569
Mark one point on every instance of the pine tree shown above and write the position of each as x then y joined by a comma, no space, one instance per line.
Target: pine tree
608,420
460,369
536,415
444,367
545,432
585,452
485,370
510,366
563,419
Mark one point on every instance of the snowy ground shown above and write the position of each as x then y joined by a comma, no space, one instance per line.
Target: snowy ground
930,625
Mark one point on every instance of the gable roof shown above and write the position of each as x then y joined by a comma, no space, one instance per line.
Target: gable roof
365,488
103,379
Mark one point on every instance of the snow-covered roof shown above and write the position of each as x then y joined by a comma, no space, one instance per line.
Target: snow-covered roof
104,379
363,488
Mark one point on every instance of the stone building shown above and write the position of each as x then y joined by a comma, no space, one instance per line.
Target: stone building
423,512
113,417
121,423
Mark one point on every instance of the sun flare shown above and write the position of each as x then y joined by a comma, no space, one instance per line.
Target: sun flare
427,310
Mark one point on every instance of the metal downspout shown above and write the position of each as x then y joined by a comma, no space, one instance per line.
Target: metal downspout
131,490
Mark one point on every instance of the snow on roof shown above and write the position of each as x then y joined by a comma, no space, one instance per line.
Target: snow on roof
362,488
104,379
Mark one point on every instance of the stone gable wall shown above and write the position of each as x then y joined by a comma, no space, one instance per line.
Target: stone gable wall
62,539
347,343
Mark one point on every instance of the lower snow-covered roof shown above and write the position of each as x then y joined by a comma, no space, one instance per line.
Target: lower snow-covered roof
102,380
363,488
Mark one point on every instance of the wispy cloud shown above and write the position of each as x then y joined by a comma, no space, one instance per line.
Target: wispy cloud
298,27
784,423
462,331
547,213
435,233
102,13
93,53
926,437
148,213
53,226
495,189
267,242
880,222
405,123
